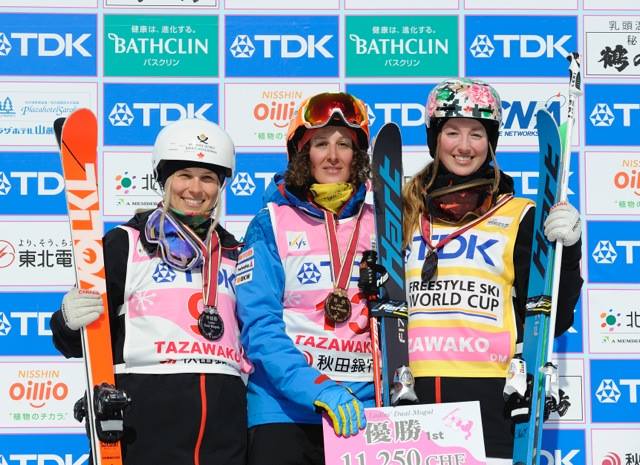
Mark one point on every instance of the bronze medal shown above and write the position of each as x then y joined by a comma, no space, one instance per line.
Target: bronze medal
337,306
429,266
210,324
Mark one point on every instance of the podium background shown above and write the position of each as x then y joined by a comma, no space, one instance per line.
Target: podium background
246,64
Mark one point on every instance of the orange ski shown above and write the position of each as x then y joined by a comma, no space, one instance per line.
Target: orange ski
78,150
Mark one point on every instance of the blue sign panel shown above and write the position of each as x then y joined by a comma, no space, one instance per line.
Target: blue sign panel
281,46
252,175
614,390
24,323
31,184
403,104
611,114
563,447
48,44
43,449
134,113
519,45
613,251
524,168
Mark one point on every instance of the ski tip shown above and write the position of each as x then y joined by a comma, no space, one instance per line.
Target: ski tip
57,129
386,130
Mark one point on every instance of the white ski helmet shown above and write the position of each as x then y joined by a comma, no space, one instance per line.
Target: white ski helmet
192,142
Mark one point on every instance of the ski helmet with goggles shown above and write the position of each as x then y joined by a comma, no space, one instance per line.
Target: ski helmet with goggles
327,108
192,143
463,98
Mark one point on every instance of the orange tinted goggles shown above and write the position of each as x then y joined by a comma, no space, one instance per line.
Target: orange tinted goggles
321,108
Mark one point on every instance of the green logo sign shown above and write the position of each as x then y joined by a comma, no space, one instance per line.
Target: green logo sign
402,46
136,45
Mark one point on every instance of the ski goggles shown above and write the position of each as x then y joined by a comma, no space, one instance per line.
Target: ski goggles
177,246
319,110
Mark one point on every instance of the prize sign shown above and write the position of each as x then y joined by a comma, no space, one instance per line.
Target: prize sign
448,433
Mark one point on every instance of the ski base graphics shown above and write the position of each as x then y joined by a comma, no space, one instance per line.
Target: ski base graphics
389,314
103,404
529,414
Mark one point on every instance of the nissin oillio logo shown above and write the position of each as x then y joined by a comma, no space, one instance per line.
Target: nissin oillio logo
278,112
628,178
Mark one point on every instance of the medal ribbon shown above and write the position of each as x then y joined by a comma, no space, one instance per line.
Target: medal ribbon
425,226
210,267
211,264
341,270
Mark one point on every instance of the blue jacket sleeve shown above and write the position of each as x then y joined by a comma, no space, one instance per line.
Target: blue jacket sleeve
262,328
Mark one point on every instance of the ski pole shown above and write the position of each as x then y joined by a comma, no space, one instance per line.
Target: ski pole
575,90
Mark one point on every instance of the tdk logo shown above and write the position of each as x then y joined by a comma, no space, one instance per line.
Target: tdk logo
524,46
5,324
242,47
163,274
603,116
243,185
43,183
604,252
613,117
469,247
121,114
401,103
253,176
614,399
608,392
290,46
134,113
282,46
563,447
518,45
614,252
39,325
43,459
309,274
28,183
45,44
